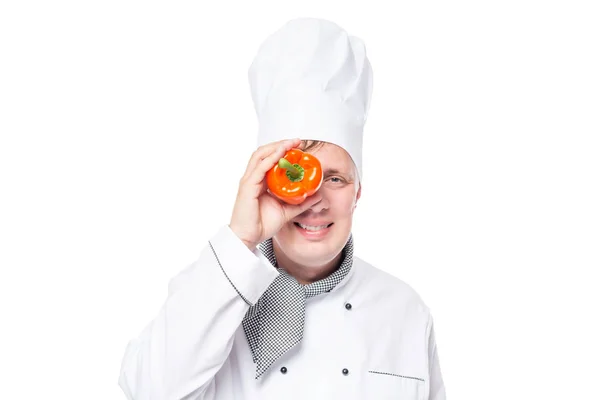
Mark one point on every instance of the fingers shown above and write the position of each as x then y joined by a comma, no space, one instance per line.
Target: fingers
292,211
264,151
265,158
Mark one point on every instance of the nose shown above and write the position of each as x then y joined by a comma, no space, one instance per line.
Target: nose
321,205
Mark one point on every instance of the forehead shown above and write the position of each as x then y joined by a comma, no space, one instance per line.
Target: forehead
334,159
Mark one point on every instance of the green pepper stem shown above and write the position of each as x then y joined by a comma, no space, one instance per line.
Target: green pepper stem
291,170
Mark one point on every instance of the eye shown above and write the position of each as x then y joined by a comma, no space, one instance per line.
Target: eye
336,179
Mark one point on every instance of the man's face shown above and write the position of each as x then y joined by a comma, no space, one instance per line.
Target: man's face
318,235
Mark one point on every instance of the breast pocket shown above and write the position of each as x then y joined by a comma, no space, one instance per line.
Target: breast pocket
387,385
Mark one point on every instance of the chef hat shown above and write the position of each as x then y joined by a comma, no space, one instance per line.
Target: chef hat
311,80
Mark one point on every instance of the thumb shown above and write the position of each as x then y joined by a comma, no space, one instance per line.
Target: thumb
293,210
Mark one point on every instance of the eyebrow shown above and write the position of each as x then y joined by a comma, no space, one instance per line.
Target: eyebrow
333,171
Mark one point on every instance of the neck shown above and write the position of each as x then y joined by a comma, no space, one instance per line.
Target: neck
305,274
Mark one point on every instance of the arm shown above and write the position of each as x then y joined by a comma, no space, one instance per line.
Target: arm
182,349
437,390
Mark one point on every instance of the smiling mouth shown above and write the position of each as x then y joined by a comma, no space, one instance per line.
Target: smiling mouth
312,228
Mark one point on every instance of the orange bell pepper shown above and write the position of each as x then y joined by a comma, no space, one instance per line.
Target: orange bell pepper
295,177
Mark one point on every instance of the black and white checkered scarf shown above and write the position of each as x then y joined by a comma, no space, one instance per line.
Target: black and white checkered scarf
275,323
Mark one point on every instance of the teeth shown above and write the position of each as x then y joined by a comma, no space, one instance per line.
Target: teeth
312,228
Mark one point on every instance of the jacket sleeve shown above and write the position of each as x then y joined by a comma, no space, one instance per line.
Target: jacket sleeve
177,354
437,390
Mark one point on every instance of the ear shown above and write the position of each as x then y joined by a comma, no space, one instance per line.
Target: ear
358,193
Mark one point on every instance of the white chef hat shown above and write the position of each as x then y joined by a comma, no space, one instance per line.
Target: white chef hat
312,80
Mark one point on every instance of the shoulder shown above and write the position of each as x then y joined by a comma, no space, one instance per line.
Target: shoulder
386,289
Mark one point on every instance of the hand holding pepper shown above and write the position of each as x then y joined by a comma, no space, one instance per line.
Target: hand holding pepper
295,177
257,215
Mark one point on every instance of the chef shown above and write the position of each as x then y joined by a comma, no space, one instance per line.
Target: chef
277,306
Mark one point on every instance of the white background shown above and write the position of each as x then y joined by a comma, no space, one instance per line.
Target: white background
120,119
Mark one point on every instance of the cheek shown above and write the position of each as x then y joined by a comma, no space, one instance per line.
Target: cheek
342,203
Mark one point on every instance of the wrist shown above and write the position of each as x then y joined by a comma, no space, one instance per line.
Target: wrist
250,245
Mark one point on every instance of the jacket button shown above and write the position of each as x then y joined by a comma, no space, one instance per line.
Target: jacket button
345,371
348,306
283,370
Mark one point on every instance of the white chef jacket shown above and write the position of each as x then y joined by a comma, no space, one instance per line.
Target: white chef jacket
370,337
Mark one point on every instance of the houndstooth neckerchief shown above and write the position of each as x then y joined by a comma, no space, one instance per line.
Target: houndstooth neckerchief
275,323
